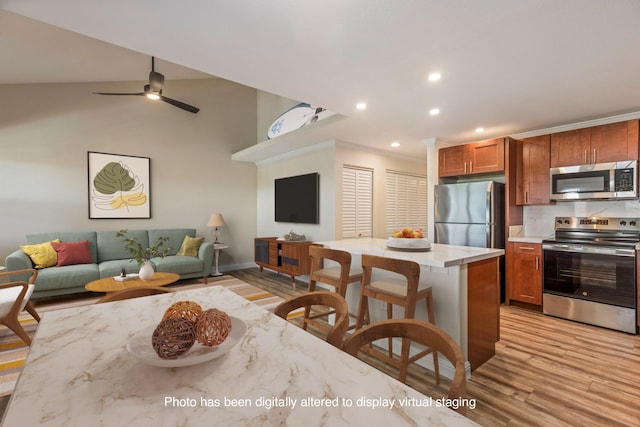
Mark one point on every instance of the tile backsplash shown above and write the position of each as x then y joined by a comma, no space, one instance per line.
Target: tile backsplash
539,220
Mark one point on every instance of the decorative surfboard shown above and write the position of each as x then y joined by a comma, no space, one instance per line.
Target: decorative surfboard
296,117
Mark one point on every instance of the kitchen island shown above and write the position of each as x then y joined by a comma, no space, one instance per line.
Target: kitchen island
466,292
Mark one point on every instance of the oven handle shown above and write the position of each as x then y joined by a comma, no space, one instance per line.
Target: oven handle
589,250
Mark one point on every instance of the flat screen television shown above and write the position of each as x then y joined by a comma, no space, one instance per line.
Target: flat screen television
297,199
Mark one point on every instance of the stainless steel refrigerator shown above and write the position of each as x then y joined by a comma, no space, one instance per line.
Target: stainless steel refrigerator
470,214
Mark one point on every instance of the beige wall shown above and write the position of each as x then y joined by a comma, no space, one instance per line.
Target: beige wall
46,131
327,158
320,159
350,155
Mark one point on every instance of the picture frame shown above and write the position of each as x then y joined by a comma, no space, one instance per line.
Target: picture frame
119,186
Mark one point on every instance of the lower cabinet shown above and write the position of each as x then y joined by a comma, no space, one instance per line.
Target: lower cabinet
291,258
483,310
524,280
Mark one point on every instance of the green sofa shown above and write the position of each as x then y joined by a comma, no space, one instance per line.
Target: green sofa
109,258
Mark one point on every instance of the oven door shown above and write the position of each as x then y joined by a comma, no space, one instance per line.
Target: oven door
601,275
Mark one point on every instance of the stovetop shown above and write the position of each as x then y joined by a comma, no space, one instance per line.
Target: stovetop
599,224
597,231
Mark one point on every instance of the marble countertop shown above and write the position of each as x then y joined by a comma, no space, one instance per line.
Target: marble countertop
438,256
529,239
78,372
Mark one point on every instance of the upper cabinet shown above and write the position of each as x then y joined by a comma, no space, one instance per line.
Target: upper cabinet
532,171
473,158
614,142
599,144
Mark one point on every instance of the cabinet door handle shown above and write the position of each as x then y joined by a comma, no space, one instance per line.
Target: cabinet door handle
526,197
471,167
586,153
594,156
465,167
526,248
537,263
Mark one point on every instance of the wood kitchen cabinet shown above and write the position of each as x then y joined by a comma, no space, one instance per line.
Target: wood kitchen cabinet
532,169
483,310
525,280
291,258
474,158
599,144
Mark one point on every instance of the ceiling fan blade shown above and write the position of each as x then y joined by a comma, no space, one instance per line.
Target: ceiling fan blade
179,104
115,93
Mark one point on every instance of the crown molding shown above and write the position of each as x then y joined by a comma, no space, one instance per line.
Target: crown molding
578,125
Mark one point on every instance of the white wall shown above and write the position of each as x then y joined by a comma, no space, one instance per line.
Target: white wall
327,159
351,155
46,131
319,158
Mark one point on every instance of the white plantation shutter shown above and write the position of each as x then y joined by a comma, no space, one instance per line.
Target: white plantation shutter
357,202
406,201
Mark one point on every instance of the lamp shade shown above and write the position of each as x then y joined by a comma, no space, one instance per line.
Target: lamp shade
216,220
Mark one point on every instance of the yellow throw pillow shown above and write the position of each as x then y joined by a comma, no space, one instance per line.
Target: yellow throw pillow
190,246
42,255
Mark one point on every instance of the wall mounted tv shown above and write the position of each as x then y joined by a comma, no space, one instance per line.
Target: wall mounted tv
297,199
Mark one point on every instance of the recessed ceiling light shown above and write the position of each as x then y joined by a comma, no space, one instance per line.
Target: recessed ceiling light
479,130
361,105
435,76
395,144
434,111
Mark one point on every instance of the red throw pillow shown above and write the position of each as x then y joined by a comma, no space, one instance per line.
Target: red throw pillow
70,253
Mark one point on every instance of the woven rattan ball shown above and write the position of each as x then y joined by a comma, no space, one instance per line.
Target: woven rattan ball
213,327
185,309
173,337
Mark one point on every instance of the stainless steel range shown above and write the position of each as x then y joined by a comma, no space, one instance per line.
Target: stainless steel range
590,271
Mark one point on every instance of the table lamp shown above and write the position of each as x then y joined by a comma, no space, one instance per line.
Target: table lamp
216,221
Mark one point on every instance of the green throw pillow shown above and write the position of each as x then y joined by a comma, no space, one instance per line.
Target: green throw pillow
190,246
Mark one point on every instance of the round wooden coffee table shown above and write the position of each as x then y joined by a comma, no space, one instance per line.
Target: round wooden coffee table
109,284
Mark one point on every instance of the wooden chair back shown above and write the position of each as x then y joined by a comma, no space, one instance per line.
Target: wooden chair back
139,291
32,272
318,254
408,269
420,332
26,278
324,298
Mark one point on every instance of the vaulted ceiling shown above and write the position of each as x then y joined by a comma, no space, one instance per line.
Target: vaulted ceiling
507,66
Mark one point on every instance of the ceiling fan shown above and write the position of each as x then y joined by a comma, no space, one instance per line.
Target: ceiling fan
154,91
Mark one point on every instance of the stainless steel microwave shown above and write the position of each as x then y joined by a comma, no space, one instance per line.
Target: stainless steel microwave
616,180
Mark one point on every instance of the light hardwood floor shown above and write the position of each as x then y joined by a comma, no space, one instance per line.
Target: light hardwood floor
546,372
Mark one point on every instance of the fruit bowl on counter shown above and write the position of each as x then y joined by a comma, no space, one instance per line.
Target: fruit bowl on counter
408,239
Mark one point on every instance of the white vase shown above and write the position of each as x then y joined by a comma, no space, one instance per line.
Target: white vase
146,271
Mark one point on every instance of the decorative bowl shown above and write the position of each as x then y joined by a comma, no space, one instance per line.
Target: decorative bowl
409,244
140,347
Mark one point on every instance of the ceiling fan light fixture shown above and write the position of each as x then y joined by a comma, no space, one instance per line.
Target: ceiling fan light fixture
151,93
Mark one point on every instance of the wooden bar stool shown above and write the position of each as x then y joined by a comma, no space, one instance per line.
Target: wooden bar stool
339,277
402,291
325,298
423,333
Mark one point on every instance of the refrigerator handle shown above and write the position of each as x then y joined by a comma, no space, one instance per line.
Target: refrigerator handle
489,205
489,216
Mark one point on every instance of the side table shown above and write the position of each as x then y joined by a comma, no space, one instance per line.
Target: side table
216,254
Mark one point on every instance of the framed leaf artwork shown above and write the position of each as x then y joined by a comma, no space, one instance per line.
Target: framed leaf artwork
119,186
